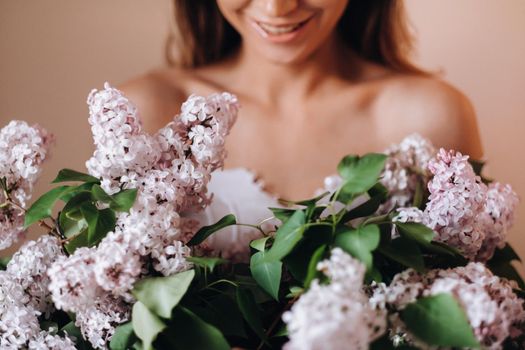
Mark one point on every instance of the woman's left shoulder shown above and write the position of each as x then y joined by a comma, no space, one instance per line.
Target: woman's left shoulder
433,108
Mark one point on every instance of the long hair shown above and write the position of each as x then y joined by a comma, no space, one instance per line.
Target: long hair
376,30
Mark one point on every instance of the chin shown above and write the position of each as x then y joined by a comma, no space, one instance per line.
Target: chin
283,56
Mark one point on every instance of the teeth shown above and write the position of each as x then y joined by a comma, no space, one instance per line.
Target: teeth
280,29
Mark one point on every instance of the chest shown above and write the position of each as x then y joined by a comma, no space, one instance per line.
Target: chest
293,152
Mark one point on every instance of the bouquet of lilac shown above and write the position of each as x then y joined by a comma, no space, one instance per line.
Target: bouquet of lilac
401,250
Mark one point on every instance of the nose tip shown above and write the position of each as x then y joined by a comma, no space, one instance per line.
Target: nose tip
278,7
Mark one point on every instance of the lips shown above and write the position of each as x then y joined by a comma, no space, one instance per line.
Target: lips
281,30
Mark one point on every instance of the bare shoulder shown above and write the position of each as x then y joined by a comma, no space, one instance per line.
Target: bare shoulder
156,96
433,108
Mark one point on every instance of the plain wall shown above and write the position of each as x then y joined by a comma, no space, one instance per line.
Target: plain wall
53,52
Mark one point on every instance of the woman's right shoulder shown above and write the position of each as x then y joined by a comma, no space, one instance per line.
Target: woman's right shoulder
157,94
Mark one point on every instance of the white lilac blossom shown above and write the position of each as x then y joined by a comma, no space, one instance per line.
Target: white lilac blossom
23,148
492,308
337,315
46,341
170,170
28,267
464,212
500,206
406,168
99,320
18,321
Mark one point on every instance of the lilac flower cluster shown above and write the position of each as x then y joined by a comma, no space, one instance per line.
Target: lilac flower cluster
171,170
25,298
406,168
336,315
492,308
464,212
23,148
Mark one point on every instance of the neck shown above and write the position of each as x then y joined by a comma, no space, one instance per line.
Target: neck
274,82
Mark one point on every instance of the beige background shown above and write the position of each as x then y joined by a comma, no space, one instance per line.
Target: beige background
53,52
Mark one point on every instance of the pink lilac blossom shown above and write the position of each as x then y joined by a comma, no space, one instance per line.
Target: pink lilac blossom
464,212
18,321
499,209
492,308
337,315
405,168
99,320
23,148
29,266
170,170
46,341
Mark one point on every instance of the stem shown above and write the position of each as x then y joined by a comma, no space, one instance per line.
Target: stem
277,319
253,226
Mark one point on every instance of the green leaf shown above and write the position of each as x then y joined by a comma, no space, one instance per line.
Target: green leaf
366,209
162,294
282,214
360,173
259,244
439,320
123,337
306,202
360,242
124,200
505,254
206,231
70,227
99,194
206,262
74,333
250,311
416,232
312,265
79,241
100,222
65,175
74,190
287,237
43,206
4,261
222,311
146,324
121,201
405,252
266,273
191,332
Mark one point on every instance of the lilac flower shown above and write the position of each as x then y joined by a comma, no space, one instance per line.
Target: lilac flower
405,169
23,148
492,308
337,315
18,321
46,341
28,267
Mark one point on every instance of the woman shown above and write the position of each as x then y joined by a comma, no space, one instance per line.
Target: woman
316,79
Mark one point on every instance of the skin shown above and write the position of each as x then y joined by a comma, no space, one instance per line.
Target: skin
307,103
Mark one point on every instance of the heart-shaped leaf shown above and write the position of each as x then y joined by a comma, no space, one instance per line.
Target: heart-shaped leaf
360,242
266,273
287,236
439,320
162,294
360,173
146,324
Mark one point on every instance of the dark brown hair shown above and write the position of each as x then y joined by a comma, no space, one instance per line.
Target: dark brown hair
375,29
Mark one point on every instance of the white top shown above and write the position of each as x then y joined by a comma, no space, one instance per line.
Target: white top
236,191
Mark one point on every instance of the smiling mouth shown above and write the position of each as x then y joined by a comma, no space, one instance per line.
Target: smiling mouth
280,29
